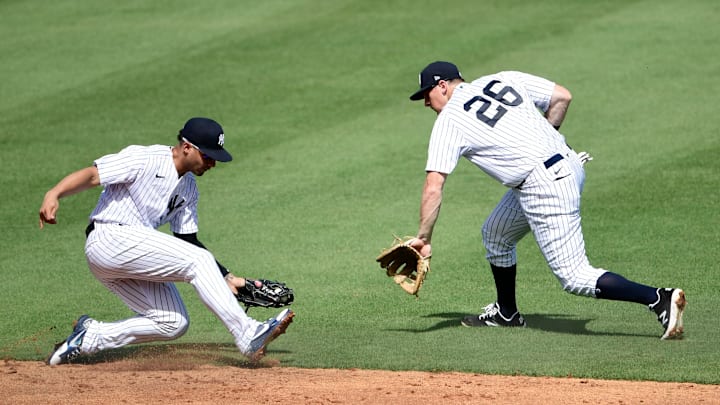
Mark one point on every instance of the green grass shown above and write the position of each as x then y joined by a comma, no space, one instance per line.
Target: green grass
329,157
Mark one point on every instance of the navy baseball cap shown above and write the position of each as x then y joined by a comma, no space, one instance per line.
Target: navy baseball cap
208,136
432,74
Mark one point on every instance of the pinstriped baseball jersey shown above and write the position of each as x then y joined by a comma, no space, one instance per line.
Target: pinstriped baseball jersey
142,188
496,122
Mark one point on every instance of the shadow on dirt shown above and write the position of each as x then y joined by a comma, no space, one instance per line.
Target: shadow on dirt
171,357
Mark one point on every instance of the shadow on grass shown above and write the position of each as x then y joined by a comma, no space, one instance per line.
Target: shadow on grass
556,323
172,356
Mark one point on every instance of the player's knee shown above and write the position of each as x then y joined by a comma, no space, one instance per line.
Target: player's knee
203,259
496,241
173,328
493,246
581,281
578,287
487,233
499,252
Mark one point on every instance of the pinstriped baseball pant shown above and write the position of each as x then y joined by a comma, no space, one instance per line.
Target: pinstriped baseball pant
548,204
140,265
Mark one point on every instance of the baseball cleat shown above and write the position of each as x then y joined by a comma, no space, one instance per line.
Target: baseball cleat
69,349
281,315
669,309
267,332
493,317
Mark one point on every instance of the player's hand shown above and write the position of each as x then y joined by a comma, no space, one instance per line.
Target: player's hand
234,283
584,157
424,248
47,210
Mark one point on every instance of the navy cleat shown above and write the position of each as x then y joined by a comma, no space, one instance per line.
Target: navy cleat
69,349
669,309
493,317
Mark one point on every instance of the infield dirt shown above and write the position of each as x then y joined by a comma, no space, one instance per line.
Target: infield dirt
163,380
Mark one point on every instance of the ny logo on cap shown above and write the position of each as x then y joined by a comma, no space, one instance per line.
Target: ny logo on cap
436,78
221,139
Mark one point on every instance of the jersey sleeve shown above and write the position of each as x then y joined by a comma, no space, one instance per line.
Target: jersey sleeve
539,89
445,148
122,167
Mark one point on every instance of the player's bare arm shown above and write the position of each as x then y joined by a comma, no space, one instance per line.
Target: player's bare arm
429,210
559,103
73,183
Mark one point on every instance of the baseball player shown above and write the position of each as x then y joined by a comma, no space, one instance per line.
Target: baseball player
145,187
507,125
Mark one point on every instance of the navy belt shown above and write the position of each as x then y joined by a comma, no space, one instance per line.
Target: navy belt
548,163
554,159
89,229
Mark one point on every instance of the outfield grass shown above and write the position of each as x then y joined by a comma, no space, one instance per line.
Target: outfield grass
329,157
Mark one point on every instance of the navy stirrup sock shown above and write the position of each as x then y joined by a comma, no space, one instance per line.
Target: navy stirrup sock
611,286
505,286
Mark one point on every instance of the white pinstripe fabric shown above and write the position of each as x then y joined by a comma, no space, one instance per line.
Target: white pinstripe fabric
503,229
506,152
550,198
513,152
140,184
139,264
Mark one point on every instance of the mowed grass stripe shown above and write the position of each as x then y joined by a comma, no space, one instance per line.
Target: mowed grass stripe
329,162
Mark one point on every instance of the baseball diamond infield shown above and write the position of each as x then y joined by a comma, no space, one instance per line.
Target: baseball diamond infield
170,379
